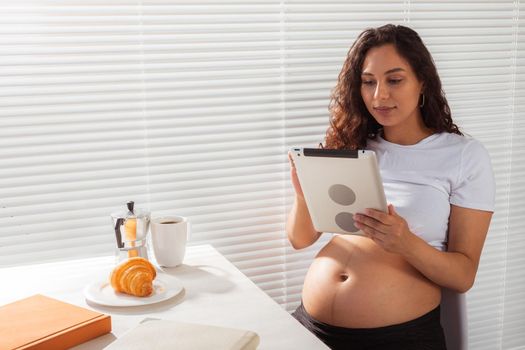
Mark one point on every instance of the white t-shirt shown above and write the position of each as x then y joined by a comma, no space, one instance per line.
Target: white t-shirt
424,179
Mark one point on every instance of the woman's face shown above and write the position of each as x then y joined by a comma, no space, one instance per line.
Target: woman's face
390,88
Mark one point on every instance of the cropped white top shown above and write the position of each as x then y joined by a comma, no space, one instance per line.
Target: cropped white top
424,179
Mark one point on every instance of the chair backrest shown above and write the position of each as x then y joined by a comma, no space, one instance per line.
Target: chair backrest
454,319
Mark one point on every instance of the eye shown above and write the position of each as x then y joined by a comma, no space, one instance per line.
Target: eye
368,82
394,81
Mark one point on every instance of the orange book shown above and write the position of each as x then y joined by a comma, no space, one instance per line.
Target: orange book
43,323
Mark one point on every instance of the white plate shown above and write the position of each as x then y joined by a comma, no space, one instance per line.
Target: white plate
164,287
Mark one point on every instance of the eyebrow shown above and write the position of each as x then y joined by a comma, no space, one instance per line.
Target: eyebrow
393,70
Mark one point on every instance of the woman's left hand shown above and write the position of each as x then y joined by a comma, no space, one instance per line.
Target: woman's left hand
389,230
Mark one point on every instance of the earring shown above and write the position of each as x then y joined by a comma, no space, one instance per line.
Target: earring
422,101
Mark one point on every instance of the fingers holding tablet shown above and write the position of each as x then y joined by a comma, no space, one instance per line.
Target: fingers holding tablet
295,179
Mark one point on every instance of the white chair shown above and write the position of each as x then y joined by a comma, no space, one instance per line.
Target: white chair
454,319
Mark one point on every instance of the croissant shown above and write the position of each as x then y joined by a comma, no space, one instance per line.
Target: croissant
133,276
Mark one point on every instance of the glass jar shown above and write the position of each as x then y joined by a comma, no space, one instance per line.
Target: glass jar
131,231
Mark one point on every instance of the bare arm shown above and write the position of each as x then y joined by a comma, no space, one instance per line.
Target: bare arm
456,268
299,226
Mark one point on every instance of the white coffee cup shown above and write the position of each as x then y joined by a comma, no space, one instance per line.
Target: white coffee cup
169,235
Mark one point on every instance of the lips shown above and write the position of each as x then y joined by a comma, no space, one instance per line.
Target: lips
383,108
383,111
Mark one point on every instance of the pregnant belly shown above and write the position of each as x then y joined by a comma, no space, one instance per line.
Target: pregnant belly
354,283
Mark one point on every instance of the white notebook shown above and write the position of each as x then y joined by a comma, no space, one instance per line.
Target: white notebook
169,335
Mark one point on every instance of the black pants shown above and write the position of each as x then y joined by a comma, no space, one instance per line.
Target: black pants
423,333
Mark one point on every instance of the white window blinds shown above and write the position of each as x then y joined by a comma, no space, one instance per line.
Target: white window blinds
513,326
190,107
176,105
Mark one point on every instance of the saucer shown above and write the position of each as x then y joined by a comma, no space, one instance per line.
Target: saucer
164,287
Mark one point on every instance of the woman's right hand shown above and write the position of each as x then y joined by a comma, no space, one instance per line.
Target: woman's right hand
299,227
295,179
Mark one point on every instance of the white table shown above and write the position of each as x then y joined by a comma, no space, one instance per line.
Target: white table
215,293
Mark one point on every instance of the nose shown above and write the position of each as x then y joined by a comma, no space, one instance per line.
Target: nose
381,92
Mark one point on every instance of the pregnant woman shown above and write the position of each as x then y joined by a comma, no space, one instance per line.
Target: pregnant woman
382,290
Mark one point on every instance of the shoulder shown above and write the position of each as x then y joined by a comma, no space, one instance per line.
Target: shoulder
475,185
451,139
470,152
462,144
464,156
472,149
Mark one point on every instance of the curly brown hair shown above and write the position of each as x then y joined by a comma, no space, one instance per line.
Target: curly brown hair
351,124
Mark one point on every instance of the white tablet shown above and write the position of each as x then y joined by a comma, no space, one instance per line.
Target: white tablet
337,184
